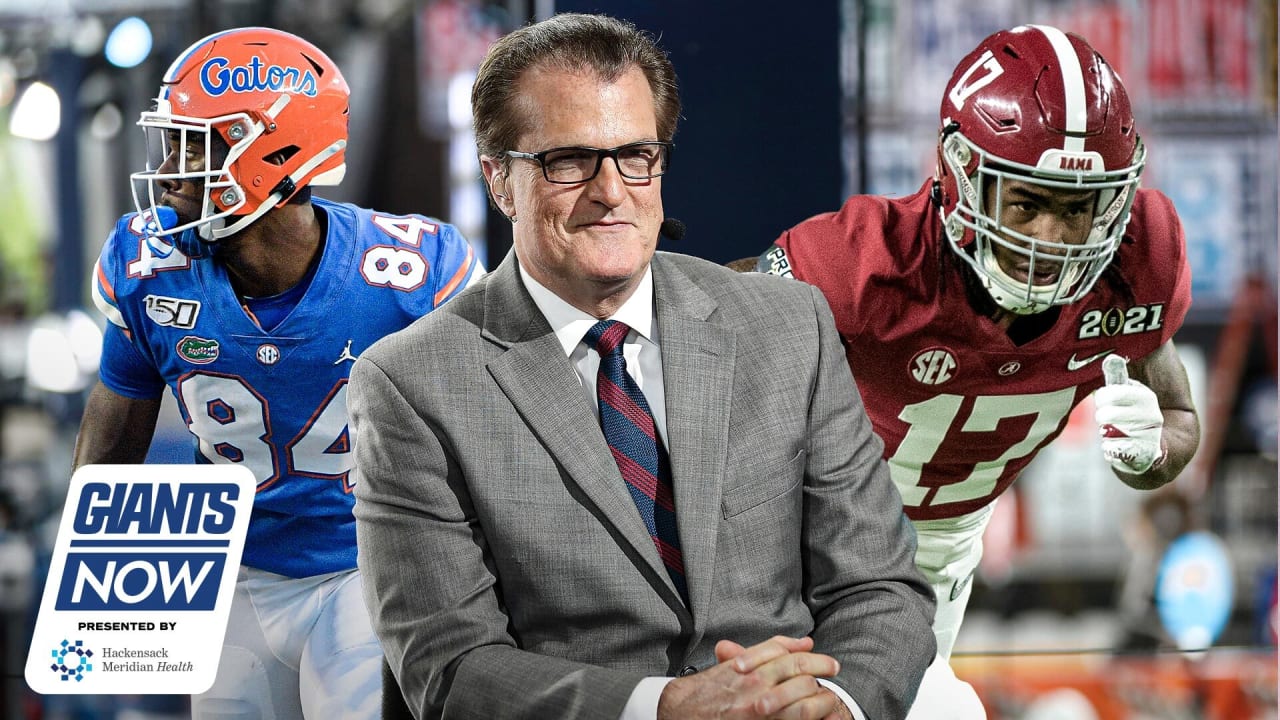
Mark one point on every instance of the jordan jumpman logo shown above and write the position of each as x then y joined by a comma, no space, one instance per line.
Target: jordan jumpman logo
346,354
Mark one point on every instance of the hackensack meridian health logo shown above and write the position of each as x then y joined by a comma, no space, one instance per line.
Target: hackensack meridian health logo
140,584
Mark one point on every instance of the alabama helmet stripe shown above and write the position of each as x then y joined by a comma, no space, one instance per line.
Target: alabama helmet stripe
1072,85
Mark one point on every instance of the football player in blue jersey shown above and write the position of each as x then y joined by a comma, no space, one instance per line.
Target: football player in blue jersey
251,299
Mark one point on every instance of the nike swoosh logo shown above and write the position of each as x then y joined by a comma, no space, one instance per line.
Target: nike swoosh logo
1074,364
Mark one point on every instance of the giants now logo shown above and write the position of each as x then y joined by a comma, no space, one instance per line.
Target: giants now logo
127,518
144,568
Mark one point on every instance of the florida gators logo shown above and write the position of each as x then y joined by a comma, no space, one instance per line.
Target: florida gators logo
198,350
217,78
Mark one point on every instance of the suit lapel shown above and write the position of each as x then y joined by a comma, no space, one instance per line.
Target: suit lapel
536,377
697,369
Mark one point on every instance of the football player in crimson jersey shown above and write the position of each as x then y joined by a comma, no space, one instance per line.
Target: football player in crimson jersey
251,300
979,311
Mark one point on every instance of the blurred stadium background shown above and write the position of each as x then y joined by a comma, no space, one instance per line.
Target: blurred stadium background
788,107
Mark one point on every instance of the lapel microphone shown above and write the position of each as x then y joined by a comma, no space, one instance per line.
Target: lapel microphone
672,229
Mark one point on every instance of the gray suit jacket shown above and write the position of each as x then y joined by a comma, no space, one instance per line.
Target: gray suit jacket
507,570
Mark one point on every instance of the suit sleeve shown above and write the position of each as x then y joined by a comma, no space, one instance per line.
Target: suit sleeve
415,524
873,609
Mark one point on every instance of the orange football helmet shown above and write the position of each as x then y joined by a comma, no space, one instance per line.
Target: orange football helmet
278,108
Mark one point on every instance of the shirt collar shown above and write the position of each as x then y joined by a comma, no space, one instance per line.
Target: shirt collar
570,324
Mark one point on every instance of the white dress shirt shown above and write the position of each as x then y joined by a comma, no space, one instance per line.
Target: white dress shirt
641,350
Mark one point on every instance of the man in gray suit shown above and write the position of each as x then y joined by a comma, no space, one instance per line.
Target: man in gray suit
607,482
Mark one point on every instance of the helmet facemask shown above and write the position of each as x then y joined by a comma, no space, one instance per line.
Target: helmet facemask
975,231
220,191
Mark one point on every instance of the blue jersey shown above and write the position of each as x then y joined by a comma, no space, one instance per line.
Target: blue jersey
275,400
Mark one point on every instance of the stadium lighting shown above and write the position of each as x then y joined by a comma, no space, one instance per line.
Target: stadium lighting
63,352
86,341
37,114
51,364
129,43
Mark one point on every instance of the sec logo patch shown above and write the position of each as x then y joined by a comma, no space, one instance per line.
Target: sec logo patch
933,366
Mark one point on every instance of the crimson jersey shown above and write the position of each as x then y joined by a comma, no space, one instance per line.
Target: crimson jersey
961,408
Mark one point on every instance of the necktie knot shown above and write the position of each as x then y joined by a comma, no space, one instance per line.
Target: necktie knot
606,336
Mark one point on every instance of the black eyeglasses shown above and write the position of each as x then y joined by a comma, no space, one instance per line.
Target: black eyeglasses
572,165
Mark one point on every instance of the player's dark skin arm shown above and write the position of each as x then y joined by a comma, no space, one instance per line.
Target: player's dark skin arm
1162,371
115,429
746,264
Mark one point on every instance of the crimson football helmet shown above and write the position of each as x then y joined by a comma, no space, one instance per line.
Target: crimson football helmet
1037,105
279,107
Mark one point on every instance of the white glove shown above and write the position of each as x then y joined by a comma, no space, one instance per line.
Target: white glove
1129,419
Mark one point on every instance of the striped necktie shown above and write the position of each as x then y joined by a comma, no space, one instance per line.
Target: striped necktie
633,439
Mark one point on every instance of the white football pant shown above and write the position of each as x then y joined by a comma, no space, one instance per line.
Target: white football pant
296,649
947,553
